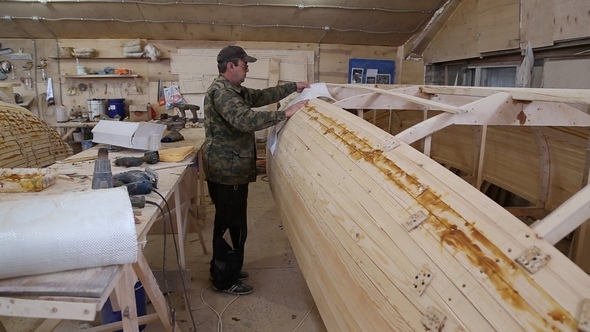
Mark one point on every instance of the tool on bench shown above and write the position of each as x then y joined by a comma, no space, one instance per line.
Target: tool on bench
103,177
182,108
138,182
150,157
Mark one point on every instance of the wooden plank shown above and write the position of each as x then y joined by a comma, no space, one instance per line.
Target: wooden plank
47,309
498,25
48,325
456,39
524,94
432,105
88,283
535,27
571,16
565,219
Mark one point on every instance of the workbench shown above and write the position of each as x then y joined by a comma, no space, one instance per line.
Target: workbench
71,126
80,294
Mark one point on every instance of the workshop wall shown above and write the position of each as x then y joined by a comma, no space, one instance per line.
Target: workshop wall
486,27
331,65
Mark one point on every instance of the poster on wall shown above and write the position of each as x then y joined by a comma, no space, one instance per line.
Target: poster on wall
368,71
357,76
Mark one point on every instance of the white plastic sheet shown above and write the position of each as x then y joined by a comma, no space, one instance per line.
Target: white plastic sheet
65,232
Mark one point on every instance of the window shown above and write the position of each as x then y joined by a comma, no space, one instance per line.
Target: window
490,76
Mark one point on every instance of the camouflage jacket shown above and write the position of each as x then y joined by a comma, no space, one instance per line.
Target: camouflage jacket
229,151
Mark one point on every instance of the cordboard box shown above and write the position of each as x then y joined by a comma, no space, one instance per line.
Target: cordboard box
133,135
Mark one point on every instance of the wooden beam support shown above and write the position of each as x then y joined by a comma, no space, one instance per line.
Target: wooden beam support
523,94
535,212
480,153
478,113
566,218
431,105
544,166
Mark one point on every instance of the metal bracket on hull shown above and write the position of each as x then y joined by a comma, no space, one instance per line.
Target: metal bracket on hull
533,259
415,220
421,280
433,319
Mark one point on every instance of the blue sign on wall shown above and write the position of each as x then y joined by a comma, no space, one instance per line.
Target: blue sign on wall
367,71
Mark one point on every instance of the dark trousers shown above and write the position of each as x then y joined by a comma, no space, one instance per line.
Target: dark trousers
230,214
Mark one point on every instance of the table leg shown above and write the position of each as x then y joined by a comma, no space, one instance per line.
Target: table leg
68,133
145,275
47,325
180,224
126,296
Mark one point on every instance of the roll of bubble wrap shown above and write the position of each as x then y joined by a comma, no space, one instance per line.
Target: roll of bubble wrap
65,232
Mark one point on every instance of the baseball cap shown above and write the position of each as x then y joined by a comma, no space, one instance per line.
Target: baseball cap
234,52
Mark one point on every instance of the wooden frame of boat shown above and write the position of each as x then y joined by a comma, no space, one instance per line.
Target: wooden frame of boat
388,239
27,141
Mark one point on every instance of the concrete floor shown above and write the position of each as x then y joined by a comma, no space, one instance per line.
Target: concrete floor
281,300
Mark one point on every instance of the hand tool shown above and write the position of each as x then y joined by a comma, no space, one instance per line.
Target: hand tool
182,109
138,182
102,176
150,157
139,187
136,176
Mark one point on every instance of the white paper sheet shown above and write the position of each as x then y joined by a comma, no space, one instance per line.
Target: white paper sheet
315,90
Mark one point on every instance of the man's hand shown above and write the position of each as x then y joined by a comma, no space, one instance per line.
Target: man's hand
295,107
302,85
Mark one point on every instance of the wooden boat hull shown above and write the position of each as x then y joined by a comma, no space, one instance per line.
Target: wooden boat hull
348,194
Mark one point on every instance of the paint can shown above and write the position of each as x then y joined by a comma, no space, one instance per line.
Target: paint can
117,107
96,108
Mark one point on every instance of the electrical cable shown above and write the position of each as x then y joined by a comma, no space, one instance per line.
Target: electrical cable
253,4
166,288
219,320
304,317
184,287
230,24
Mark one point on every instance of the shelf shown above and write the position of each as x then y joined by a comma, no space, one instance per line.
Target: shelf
99,76
108,59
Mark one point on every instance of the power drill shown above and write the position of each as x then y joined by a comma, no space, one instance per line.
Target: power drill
150,157
138,182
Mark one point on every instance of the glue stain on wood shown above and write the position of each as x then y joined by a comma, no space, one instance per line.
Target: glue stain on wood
500,270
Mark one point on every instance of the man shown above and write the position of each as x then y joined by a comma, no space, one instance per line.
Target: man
229,156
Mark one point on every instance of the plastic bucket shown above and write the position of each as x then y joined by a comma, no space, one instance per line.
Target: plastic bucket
117,107
96,108
107,315
86,145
